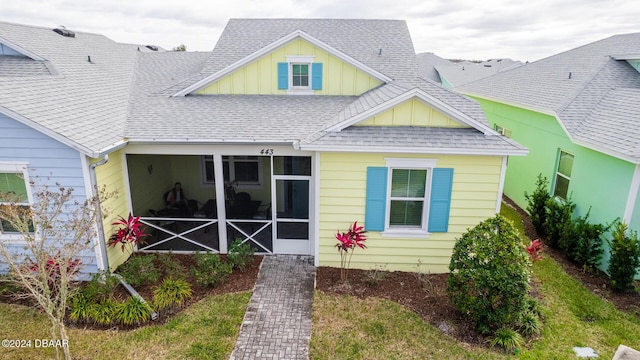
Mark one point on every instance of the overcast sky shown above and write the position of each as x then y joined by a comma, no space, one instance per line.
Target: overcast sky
467,29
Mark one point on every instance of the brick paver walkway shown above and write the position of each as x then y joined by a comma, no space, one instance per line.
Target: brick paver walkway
277,324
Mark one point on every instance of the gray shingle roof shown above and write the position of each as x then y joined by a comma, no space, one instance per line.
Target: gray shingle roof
18,66
427,139
361,39
85,102
576,86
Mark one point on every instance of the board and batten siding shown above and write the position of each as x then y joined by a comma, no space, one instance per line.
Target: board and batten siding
111,175
342,201
413,112
49,162
260,77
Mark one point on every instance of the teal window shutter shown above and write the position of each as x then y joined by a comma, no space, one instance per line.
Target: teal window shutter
440,202
283,76
316,76
376,202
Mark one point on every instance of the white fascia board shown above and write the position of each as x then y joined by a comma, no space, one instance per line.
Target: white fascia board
422,95
600,149
21,50
52,134
273,46
221,141
412,150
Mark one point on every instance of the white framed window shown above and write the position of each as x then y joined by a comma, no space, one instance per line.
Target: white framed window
300,76
563,174
502,130
14,183
408,190
246,170
300,72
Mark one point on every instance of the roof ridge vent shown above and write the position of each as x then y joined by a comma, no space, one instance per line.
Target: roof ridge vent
64,32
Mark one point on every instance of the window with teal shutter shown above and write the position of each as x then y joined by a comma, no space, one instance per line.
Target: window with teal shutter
407,197
440,203
283,76
376,201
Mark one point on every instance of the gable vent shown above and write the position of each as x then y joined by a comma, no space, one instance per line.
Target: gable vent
64,32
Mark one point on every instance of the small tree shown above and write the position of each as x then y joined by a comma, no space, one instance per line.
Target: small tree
537,204
625,257
56,231
489,277
558,221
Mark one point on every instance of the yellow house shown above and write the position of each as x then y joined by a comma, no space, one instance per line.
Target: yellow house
288,131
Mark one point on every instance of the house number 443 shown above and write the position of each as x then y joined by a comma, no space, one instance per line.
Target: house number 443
266,152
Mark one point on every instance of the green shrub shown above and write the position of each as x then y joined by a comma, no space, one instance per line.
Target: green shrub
8,286
81,308
171,294
529,323
100,287
558,220
240,254
537,204
581,242
140,270
104,312
172,267
210,270
489,277
508,339
133,312
625,257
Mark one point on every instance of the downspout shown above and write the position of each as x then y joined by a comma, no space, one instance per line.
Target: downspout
102,241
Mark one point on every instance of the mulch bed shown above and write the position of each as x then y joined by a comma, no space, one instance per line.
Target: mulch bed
426,294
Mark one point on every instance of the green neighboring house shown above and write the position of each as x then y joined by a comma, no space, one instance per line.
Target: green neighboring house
578,112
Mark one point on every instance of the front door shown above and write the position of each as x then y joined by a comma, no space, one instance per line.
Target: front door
291,196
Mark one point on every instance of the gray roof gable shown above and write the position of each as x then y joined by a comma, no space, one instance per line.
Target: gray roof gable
383,45
576,87
79,102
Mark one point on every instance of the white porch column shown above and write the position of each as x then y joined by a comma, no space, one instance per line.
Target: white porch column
218,173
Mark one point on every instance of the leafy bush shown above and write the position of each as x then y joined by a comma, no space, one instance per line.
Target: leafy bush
171,266
100,287
581,241
558,220
537,204
529,323
210,270
240,254
489,277
140,270
171,294
81,308
104,312
507,339
625,257
133,312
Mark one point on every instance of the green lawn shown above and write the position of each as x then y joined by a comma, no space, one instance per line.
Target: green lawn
344,328
206,330
349,328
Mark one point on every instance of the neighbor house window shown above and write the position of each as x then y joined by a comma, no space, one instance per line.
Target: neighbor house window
246,170
563,174
502,130
14,189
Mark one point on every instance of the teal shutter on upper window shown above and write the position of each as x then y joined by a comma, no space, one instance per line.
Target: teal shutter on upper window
376,202
316,76
440,202
283,76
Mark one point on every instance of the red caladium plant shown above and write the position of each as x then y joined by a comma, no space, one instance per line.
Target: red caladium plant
347,242
52,268
130,232
534,249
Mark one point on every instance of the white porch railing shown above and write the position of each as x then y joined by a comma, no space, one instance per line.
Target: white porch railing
194,231
245,228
